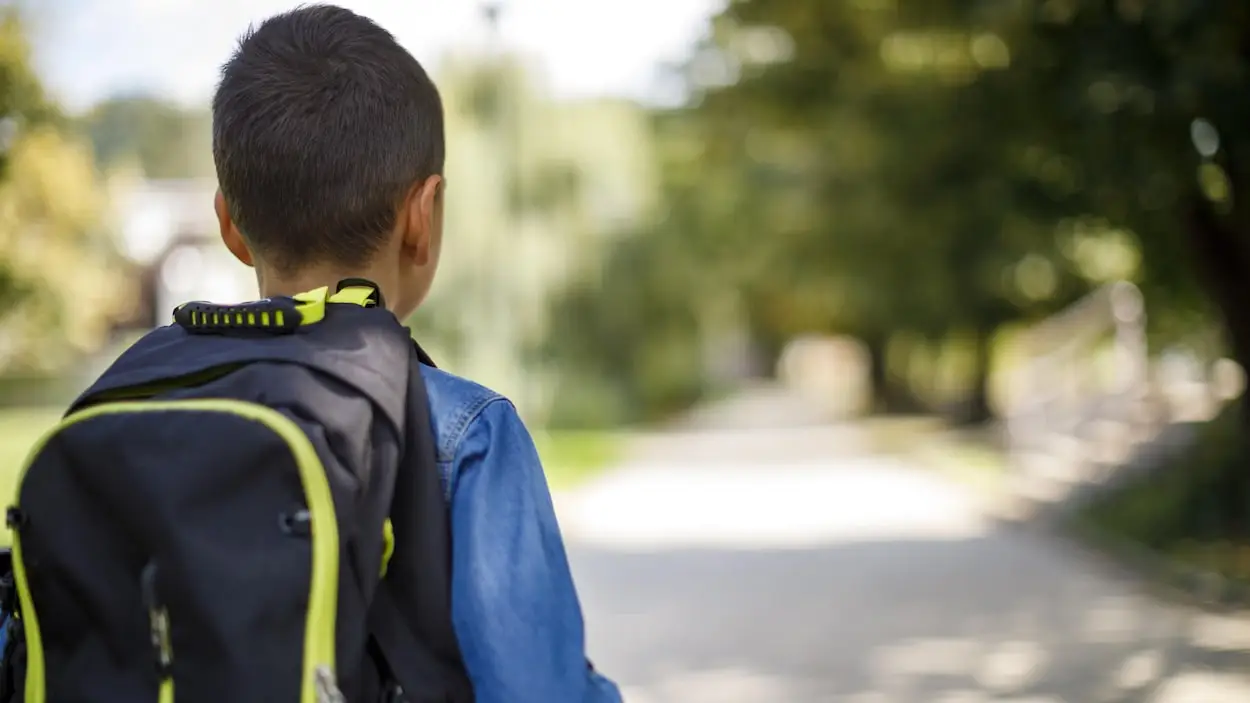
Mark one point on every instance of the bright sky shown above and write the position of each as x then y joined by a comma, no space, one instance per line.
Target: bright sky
89,49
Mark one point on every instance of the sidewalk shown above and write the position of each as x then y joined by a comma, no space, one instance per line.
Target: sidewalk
803,565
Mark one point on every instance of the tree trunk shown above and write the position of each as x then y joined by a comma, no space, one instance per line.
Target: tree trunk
1223,257
890,395
976,409
878,374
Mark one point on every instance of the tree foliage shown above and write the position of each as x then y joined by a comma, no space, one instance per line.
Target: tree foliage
60,283
933,167
166,141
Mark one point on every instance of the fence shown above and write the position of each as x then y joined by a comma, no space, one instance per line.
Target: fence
1089,397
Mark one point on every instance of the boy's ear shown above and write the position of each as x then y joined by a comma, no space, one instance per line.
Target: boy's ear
424,215
230,234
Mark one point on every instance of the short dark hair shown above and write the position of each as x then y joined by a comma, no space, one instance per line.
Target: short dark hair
322,123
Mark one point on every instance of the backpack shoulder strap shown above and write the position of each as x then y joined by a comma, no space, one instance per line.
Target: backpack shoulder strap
408,668
422,359
410,618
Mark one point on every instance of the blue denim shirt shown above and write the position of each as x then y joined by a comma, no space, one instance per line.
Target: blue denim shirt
514,606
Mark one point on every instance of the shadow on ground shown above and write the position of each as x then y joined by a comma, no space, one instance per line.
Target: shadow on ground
999,617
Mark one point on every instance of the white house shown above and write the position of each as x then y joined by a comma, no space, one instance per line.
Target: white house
169,228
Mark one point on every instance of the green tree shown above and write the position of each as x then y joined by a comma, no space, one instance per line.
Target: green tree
936,168
165,140
59,281
1151,114
884,182
1149,102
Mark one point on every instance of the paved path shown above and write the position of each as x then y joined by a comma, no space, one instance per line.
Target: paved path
775,567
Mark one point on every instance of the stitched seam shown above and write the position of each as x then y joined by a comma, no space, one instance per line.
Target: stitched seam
477,407
459,425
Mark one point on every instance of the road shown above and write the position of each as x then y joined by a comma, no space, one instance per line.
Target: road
797,566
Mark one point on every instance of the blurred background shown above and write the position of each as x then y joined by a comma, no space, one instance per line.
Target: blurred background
877,350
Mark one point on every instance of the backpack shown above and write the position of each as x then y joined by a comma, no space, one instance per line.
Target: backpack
216,518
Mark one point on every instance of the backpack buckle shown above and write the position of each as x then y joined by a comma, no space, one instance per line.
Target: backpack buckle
360,291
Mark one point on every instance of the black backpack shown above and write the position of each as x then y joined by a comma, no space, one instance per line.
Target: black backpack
217,519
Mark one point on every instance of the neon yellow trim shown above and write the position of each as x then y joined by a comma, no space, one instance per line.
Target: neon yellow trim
388,545
316,295
277,318
264,318
167,691
312,305
354,295
36,685
319,628
251,318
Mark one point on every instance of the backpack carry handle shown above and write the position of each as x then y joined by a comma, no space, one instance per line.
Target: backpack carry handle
278,315
272,316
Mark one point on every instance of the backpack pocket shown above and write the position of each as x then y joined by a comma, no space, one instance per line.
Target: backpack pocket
196,544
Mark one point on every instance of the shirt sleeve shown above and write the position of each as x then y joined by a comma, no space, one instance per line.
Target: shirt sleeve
514,606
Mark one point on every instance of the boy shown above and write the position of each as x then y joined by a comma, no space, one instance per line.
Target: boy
329,146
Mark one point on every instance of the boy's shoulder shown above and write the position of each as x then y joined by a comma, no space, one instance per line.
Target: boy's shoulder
455,403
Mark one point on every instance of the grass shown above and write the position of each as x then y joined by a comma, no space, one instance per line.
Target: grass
19,430
569,457
1193,512
572,456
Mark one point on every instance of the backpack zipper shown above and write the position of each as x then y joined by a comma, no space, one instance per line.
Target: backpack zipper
318,673
158,623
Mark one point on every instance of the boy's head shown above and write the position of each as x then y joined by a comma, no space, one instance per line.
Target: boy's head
329,146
